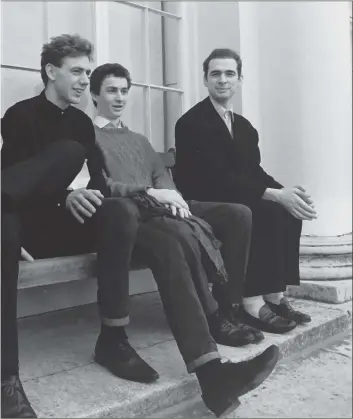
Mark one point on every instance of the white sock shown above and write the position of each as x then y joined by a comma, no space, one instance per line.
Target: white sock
252,305
274,298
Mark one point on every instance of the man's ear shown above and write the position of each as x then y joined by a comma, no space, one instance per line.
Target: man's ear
94,96
51,71
205,80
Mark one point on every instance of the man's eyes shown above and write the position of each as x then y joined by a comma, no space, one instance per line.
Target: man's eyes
123,91
227,73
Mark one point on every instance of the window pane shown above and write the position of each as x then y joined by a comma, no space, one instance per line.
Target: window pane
163,47
71,17
22,33
155,34
173,111
126,36
165,111
18,85
134,113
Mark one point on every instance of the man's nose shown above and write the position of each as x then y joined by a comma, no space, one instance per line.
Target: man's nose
84,79
119,96
222,78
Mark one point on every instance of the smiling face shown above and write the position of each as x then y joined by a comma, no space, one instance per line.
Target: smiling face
112,97
222,79
68,82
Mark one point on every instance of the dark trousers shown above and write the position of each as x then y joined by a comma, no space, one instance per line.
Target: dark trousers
48,230
274,252
169,247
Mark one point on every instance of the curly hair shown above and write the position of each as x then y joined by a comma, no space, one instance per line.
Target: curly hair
105,70
223,53
63,46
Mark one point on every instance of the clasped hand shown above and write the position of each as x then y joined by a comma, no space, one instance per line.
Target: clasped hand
83,202
298,203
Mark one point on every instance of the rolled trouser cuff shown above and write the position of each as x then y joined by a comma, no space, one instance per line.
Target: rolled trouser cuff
116,322
203,359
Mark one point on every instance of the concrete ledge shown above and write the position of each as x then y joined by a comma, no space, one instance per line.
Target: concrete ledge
331,292
62,381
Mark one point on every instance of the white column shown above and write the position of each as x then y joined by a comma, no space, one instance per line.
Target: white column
297,91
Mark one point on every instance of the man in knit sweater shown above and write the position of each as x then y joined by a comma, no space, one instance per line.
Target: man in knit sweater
175,240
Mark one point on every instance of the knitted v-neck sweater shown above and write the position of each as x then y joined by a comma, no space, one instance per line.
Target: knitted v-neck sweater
130,162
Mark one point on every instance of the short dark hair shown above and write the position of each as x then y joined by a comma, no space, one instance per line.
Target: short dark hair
103,71
223,53
63,46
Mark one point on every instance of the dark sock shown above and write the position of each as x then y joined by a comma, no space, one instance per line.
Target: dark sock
207,371
113,332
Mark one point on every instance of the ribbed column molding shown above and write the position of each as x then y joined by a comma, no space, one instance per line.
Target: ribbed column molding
326,258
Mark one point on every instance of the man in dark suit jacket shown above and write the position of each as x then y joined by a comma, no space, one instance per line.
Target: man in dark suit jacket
218,159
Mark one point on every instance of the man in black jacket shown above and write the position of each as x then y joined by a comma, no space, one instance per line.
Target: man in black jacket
45,143
218,159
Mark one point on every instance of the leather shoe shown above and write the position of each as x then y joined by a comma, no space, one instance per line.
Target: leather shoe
121,359
285,310
234,315
269,321
14,402
226,333
221,390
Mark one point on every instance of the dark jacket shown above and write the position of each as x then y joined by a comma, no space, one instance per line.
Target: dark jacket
213,166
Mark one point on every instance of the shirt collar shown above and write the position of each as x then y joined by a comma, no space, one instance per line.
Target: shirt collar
102,122
50,106
221,110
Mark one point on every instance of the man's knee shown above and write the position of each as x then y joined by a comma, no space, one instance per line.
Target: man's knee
121,212
239,214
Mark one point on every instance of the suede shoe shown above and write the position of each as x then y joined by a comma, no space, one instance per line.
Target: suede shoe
14,402
285,310
229,381
226,333
121,359
269,321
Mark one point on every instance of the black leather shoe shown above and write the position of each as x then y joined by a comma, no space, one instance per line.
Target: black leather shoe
269,321
14,402
227,333
234,315
220,392
121,359
285,310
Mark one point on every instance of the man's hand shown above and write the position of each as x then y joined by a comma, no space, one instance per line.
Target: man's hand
169,197
297,202
83,202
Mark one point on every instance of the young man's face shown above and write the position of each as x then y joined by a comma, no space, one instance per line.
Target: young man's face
222,79
112,98
71,79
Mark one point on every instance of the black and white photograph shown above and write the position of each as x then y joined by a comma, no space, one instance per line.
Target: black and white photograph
176,209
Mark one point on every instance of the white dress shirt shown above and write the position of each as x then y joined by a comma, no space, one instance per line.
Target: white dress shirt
225,114
102,122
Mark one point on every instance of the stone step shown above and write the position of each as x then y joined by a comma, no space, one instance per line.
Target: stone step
334,292
62,380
